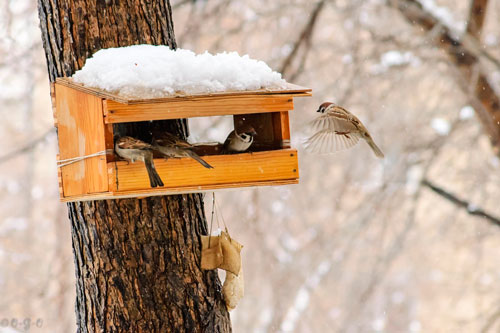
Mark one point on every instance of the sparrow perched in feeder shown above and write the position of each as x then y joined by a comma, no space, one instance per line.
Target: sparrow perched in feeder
238,142
174,147
132,149
338,129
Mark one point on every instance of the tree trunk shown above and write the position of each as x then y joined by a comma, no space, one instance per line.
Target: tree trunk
137,260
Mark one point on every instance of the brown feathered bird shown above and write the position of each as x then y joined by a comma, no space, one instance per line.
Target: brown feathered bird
338,129
132,149
174,147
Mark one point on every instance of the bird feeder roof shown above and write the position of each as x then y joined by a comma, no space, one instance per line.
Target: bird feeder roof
291,90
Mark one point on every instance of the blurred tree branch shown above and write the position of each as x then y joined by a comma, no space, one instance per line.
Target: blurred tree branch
304,38
465,54
181,3
477,13
195,19
491,321
27,147
471,208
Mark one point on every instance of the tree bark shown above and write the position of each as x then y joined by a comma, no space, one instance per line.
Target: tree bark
137,260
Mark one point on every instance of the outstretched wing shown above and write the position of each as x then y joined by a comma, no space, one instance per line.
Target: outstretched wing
334,123
329,141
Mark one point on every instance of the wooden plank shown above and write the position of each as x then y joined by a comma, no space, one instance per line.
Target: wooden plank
180,190
59,178
196,107
53,102
109,141
80,133
291,90
228,169
68,82
273,131
263,125
282,128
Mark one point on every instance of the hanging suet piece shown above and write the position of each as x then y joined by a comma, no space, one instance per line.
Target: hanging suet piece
233,289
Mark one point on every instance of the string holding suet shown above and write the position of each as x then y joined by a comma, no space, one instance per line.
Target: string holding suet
222,251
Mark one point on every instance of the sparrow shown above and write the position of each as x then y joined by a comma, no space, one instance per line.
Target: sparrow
338,129
239,142
132,149
174,147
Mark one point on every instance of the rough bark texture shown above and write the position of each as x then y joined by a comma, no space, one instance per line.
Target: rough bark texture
137,260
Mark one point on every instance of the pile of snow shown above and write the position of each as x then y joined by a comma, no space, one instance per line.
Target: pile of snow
467,112
397,58
444,15
149,71
394,58
441,126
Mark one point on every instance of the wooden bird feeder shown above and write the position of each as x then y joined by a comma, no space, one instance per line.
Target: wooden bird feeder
85,117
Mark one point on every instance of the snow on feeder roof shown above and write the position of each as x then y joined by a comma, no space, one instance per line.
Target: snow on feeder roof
148,71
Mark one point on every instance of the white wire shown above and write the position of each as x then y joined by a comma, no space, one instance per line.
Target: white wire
72,160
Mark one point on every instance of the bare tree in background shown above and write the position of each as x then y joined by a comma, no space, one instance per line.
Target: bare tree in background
465,52
345,246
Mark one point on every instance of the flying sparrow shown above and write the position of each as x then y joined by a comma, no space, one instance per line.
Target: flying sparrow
239,142
174,147
338,129
132,150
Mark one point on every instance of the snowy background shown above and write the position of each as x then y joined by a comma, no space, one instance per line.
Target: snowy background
359,245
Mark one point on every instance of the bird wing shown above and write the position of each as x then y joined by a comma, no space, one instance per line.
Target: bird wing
167,139
333,122
329,141
128,142
229,139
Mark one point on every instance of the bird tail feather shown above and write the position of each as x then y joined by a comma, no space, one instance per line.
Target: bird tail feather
154,177
195,156
376,149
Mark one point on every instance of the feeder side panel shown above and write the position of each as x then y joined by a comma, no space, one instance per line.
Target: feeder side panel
282,128
81,132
